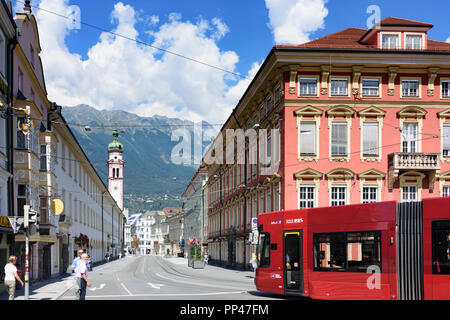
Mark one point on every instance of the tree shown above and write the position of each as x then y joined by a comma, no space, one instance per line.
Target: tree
134,243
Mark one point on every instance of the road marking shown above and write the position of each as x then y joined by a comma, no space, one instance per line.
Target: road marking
161,295
155,286
128,291
101,287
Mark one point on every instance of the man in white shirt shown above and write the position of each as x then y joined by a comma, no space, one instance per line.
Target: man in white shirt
11,276
82,276
74,266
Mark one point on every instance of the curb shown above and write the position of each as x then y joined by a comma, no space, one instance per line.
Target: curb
64,292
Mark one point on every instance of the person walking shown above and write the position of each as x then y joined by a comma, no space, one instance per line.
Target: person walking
82,276
74,266
89,263
11,276
107,256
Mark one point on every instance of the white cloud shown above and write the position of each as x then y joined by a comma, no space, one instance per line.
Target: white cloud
448,40
292,21
119,73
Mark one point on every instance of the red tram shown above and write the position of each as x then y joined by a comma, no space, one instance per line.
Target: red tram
383,250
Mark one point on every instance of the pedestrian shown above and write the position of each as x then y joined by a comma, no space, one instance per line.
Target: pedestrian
82,276
107,256
89,263
11,276
74,266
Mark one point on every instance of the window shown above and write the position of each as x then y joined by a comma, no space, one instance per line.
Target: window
264,250
370,139
446,140
409,194
269,103
20,80
21,198
338,195
32,56
307,137
446,88
370,87
306,197
389,42
410,88
261,113
339,139
441,246
276,198
277,94
413,42
21,141
446,191
268,200
43,210
347,251
369,194
409,134
2,55
339,87
308,86
43,158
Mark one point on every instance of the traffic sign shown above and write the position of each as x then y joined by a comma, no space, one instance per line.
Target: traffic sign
254,224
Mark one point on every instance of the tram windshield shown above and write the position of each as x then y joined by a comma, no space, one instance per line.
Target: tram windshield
264,250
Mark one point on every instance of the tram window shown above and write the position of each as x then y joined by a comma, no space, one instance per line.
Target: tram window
363,250
264,250
347,251
441,246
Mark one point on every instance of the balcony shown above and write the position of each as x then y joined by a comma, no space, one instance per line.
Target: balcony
426,163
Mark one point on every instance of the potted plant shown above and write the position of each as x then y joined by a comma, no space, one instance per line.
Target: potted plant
199,263
191,256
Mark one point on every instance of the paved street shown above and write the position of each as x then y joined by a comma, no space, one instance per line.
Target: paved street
155,277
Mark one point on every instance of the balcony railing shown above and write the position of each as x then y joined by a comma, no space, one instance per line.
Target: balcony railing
414,161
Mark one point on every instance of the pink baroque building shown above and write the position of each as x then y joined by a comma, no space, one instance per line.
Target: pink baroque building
363,116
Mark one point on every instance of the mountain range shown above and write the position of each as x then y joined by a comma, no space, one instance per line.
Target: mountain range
152,180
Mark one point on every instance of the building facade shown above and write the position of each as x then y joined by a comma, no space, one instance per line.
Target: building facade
195,219
50,164
175,221
91,220
7,38
359,116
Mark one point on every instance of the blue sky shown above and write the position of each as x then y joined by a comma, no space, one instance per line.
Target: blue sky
247,20
111,73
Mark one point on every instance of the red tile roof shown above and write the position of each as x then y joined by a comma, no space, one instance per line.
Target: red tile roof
393,21
350,38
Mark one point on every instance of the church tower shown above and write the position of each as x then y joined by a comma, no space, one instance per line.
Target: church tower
115,169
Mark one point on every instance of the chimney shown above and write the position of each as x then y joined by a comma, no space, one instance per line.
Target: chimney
27,7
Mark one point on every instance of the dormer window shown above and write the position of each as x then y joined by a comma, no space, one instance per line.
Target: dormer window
413,42
389,41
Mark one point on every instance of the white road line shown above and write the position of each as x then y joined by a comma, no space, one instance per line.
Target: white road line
155,286
162,295
128,291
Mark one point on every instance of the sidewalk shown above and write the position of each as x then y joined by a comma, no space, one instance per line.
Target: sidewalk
50,289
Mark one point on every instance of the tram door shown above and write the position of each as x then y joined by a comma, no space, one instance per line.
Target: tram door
293,261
